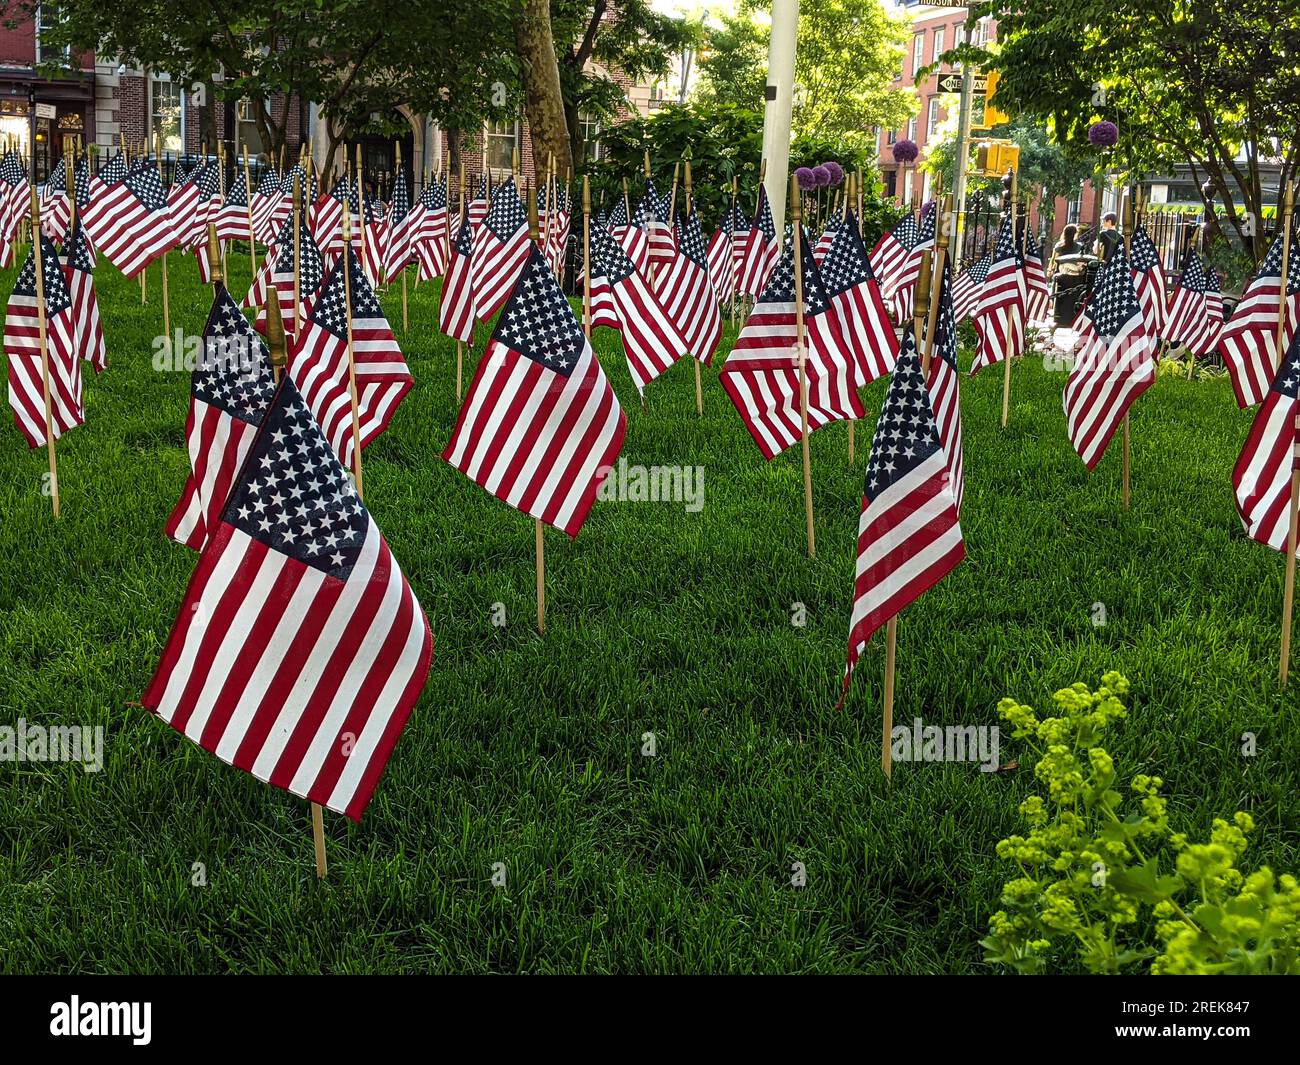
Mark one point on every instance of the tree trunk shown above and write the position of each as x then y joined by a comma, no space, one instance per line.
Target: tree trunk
543,100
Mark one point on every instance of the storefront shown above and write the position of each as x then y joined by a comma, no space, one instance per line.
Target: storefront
51,116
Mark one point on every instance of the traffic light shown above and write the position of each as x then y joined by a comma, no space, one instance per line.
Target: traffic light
992,116
993,158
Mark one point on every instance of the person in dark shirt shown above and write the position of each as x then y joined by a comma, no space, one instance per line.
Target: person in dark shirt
1108,238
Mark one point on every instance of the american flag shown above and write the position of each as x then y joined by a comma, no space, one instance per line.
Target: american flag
1115,365
561,228
909,537
999,313
430,235
1248,343
327,216
372,238
761,375
541,426
966,289
1037,293
299,649
760,250
397,251
256,296
311,272
857,303
284,203
232,218
891,252
319,363
687,293
1261,479
456,310
15,200
266,198
904,286
113,171
943,382
651,340
478,204
659,227
827,238
722,264
55,206
1196,310
81,192
88,333
23,346
230,391
633,238
130,223
500,251
192,210
1150,278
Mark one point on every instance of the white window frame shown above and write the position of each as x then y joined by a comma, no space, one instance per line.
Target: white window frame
932,118
918,52
154,78
938,43
592,130
517,143
911,130
65,53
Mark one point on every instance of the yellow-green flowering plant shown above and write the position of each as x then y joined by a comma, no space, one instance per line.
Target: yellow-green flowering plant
1103,876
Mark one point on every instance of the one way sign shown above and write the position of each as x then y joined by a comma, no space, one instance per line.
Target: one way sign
952,83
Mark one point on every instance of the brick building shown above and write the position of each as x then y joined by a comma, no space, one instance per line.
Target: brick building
935,30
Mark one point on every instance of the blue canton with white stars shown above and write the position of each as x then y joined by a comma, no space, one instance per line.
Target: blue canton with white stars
1115,300
234,372
146,186
330,311
904,231
980,270
537,321
293,494
235,195
691,241
845,265
114,170
1287,379
401,200
11,170
1272,266
81,182
505,218
608,258
76,250
434,196
1193,278
945,341
1143,253
905,434
764,217
312,268
57,298
780,288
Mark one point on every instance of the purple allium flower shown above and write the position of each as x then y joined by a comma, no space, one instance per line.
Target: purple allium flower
822,176
806,178
905,151
836,172
1103,134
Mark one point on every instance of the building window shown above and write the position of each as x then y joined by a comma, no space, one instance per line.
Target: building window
48,18
918,52
932,118
891,136
959,35
983,32
166,114
911,130
500,141
246,132
938,44
591,131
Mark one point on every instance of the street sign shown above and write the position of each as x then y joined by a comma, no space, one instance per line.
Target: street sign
952,83
46,111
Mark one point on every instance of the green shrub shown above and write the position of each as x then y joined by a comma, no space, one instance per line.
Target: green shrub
1092,883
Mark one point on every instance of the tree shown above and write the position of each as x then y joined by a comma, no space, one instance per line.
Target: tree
849,54
1208,83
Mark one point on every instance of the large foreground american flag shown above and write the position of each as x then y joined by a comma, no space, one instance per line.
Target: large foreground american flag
909,537
23,347
541,426
1115,365
130,222
1261,479
299,649
230,391
761,375
1248,342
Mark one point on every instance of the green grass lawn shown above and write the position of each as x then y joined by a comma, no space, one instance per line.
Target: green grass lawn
526,750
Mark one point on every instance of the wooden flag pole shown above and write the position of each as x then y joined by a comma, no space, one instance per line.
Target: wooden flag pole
361,208
464,221
215,265
248,202
346,266
941,240
44,340
167,308
1293,531
297,252
801,354
627,207
699,388
221,185
540,539
586,256
406,324
672,197
1006,370
921,304
278,348
887,709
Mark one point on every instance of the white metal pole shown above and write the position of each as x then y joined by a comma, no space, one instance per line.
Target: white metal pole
779,104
